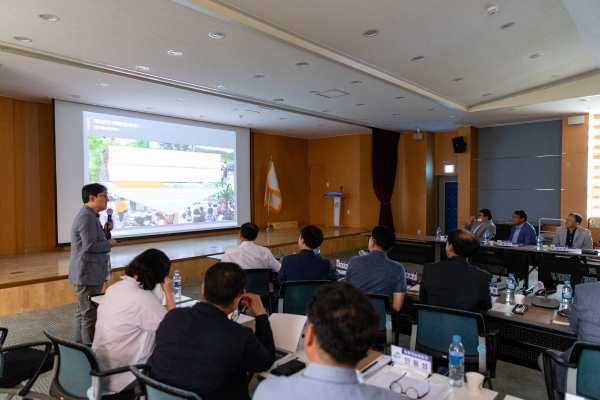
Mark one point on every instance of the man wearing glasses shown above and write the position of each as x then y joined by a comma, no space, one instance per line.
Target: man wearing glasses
483,223
89,263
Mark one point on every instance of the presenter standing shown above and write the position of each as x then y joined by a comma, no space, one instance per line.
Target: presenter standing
89,262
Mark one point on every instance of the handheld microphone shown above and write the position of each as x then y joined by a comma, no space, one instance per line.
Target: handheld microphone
535,288
109,212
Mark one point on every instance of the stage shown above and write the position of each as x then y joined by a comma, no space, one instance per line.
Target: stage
34,281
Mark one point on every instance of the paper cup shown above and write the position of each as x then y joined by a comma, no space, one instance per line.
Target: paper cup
474,381
492,242
546,247
519,298
442,237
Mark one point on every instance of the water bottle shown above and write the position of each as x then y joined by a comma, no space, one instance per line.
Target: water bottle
511,285
318,252
177,286
438,233
456,361
540,243
567,296
486,238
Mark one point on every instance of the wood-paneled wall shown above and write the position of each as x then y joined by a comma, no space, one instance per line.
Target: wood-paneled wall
467,175
290,156
444,152
27,178
573,196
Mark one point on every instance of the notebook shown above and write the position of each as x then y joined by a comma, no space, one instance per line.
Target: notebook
287,330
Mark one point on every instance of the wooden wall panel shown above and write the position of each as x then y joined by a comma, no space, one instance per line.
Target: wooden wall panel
573,196
290,156
444,152
7,177
467,175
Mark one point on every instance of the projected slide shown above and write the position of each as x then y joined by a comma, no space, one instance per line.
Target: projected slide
160,174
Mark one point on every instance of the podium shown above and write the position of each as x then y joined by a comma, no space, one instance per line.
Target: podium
337,207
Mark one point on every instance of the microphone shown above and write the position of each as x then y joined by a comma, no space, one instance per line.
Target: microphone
535,288
109,212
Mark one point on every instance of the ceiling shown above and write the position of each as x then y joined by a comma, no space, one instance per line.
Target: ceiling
250,77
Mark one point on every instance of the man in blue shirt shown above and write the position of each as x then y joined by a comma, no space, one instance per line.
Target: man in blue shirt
306,265
522,231
375,273
342,326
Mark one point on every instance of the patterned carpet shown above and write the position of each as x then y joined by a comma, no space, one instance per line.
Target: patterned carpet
511,379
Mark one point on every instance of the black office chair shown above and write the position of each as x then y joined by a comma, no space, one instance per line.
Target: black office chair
583,369
294,296
432,331
258,281
20,363
382,305
154,390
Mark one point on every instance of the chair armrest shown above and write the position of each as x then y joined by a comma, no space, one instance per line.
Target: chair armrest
557,359
47,349
3,334
26,346
119,370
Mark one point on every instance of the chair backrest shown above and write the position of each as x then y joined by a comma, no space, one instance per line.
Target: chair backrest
585,378
382,305
154,390
3,334
73,364
296,295
258,281
437,325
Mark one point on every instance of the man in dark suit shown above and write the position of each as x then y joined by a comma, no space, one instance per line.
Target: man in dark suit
306,265
522,231
202,350
89,262
454,283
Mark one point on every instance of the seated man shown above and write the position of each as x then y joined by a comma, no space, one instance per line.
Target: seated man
481,225
584,320
200,349
342,326
306,265
248,255
375,273
522,231
572,234
454,283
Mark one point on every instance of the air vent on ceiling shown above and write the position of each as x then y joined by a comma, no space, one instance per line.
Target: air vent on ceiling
332,93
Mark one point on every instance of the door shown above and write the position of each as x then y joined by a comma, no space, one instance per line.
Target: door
319,210
450,206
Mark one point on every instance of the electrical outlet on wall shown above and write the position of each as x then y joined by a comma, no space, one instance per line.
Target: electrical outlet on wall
419,232
327,184
348,211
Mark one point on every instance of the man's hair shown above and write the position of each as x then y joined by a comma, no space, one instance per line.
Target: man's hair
384,237
151,268
521,214
313,236
463,242
92,189
249,231
486,212
224,282
345,321
578,217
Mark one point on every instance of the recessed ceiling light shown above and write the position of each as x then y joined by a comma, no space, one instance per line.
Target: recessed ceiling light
234,109
201,116
356,82
510,109
314,91
259,76
556,76
492,9
76,96
417,121
399,97
282,118
326,111
584,99
302,64
360,104
179,99
452,116
102,84
175,53
216,35
508,26
486,94
396,115
418,58
222,86
49,17
142,67
458,79
431,109
278,100
22,38
371,33
363,119
536,55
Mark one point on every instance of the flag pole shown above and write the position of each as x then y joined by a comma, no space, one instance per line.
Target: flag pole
269,226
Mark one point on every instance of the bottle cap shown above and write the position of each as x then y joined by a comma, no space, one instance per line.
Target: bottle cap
567,283
176,271
456,338
511,275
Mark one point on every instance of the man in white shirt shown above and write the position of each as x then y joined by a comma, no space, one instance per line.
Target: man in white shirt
248,255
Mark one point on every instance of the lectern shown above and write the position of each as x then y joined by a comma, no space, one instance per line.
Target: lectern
337,206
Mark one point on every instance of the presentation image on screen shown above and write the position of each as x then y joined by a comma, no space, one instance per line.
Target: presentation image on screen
161,177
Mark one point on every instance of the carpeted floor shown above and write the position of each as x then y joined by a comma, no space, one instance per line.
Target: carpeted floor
511,379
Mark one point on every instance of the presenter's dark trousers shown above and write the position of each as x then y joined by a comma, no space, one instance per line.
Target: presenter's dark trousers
85,314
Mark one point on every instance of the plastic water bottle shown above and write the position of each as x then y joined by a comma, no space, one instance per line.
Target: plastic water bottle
456,362
511,285
438,233
318,252
540,243
486,238
567,296
177,286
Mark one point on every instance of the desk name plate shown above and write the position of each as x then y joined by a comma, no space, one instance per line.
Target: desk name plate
412,358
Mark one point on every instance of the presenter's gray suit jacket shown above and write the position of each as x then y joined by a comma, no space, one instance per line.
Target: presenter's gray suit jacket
89,250
483,226
582,239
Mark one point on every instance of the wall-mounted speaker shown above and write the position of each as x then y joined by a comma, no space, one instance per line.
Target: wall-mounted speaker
460,146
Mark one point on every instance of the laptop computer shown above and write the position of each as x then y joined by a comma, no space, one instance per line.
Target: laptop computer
287,331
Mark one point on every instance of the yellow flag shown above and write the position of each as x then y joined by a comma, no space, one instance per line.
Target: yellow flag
272,193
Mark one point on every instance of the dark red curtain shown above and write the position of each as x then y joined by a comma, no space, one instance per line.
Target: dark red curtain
384,160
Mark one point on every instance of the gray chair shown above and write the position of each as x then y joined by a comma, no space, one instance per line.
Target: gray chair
382,305
258,281
583,370
23,363
294,296
154,390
